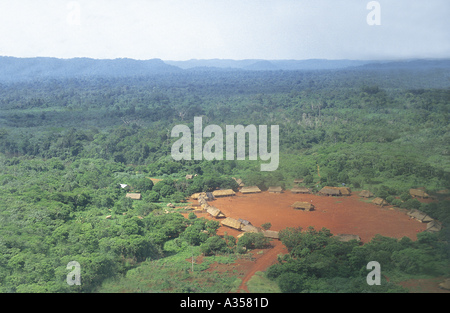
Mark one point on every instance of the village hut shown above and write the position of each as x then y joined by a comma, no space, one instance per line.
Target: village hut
418,193
250,229
366,194
271,234
205,206
434,226
330,191
250,189
134,196
189,176
276,189
196,195
347,237
345,191
420,216
239,182
214,212
298,181
379,201
209,196
223,193
232,223
245,222
302,190
201,200
306,206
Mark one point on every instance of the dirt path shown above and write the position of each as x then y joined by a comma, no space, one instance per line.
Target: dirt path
268,258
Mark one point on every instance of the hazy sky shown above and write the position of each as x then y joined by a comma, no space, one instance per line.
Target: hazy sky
234,29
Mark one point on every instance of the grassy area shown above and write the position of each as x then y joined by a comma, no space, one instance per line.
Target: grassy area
259,283
174,274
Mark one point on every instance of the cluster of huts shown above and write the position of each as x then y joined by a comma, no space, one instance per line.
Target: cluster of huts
335,191
245,226
432,224
239,224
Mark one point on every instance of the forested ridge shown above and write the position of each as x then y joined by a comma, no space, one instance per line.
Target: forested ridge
68,143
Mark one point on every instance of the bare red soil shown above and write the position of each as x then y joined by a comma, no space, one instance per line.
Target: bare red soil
341,215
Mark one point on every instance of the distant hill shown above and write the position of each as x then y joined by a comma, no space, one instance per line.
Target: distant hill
22,69
257,64
262,66
416,64
18,69
310,64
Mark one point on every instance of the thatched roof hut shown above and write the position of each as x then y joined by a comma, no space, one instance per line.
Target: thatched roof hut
134,196
330,191
205,206
380,201
271,234
418,193
188,176
303,190
298,181
347,237
303,206
209,196
239,182
277,189
250,229
202,200
345,191
245,222
223,193
420,216
214,212
366,194
434,226
196,195
250,189
232,223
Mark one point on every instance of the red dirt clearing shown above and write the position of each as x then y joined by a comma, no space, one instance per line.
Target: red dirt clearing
341,215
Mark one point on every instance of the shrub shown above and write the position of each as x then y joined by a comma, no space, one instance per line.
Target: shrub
405,196
411,204
152,196
291,282
390,199
253,241
214,244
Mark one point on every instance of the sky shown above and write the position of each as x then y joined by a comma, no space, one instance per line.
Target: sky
225,29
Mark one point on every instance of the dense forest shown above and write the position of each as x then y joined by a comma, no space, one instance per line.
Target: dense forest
66,145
